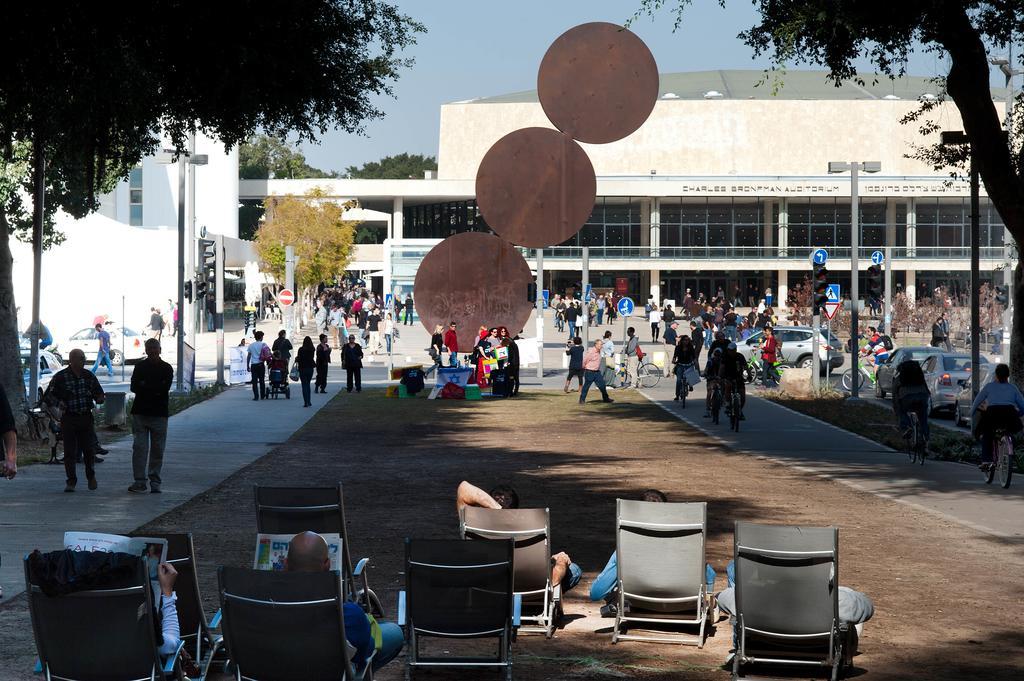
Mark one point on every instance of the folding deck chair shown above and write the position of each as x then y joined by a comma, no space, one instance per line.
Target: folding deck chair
661,580
199,635
787,597
281,626
530,529
99,634
458,590
290,510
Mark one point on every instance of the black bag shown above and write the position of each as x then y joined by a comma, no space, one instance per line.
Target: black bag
500,385
887,343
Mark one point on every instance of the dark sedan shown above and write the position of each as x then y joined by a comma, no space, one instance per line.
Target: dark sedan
883,377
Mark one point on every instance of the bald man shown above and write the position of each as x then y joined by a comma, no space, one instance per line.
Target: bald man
308,552
77,391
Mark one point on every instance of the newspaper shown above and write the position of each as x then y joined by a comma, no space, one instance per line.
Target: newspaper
272,551
149,547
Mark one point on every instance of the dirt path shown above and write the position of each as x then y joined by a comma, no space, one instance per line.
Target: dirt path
933,582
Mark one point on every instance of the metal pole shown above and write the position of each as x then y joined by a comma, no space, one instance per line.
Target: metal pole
289,283
815,344
35,330
123,362
218,320
887,314
193,307
180,331
854,276
540,313
585,334
1008,270
975,281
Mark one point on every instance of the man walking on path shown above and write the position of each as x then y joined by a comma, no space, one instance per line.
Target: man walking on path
151,383
592,373
258,354
670,337
451,341
9,433
373,327
76,389
571,314
156,323
282,345
574,349
103,352
408,310
632,361
323,358
352,356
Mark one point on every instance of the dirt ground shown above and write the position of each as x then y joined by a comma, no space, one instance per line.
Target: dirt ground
948,601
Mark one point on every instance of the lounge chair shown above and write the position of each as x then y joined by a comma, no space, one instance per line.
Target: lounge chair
661,579
102,633
200,635
787,604
458,590
280,626
530,529
290,510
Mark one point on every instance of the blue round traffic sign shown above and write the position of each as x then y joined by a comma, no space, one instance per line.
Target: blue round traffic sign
625,306
820,256
878,257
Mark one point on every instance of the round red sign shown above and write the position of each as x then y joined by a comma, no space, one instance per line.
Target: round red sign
286,297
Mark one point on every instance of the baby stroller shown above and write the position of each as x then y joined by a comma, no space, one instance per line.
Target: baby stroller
278,376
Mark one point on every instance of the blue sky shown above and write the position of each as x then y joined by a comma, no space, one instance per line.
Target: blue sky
478,48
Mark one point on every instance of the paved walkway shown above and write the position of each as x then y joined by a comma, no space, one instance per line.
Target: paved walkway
952,490
205,444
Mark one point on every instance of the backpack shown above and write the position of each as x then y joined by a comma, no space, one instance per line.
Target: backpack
887,343
639,353
265,354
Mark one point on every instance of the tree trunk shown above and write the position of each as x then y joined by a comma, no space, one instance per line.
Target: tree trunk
10,353
1017,332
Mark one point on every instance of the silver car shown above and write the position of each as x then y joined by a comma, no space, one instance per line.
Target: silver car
796,347
943,373
965,397
49,364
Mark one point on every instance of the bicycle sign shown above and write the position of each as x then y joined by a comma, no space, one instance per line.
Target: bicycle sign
877,258
625,307
819,256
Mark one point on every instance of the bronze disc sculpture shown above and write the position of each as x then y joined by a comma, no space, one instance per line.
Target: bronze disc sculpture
475,280
598,82
536,187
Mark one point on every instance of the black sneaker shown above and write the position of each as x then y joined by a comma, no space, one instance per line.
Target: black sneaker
137,488
608,400
609,610
70,487
92,483
154,489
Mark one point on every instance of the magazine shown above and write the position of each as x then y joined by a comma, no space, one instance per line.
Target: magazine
149,547
272,551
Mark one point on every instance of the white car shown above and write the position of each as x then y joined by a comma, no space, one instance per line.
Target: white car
85,340
48,366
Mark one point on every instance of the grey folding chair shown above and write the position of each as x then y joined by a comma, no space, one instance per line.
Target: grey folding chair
290,510
458,590
787,597
530,529
200,635
280,626
660,554
105,633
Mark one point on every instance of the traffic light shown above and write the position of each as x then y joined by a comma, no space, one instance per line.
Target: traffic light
188,291
1002,294
201,288
207,264
819,283
875,282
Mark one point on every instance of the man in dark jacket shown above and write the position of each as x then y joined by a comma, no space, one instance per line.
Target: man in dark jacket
697,336
151,383
282,345
352,356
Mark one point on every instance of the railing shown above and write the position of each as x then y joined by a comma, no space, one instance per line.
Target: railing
731,253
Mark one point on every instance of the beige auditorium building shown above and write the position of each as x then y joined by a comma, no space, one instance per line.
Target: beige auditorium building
725,187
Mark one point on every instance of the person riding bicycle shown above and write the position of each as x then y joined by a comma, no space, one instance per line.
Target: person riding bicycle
1004,405
730,370
877,350
910,394
719,343
713,379
683,358
769,348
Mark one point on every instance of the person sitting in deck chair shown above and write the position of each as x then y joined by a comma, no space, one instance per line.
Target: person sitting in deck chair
307,552
564,572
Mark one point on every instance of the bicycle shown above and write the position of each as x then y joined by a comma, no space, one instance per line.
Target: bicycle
916,445
864,377
1004,460
647,374
735,409
716,402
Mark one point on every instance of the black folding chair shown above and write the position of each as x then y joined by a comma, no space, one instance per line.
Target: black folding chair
106,633
458,589
281,626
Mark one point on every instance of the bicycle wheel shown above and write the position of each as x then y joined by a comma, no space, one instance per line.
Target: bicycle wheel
735,415
1004,465
716,405
989,473
648,375
912,440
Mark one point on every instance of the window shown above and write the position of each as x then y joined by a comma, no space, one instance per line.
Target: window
135,197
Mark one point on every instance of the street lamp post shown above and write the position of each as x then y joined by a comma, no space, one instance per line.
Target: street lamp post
854,167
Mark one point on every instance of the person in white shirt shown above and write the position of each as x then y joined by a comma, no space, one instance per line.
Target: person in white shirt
608,355
257,366
166,602
655,318
389,331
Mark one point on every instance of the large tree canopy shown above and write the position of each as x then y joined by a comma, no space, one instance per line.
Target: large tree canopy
96,86
835,33
398,167
262,156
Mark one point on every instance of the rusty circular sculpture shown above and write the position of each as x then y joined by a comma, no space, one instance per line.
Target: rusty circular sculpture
536,187
474,280
598,82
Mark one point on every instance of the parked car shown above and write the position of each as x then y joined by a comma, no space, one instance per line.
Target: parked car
943,373
49,365
883,377
85,340
796,347
965,398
